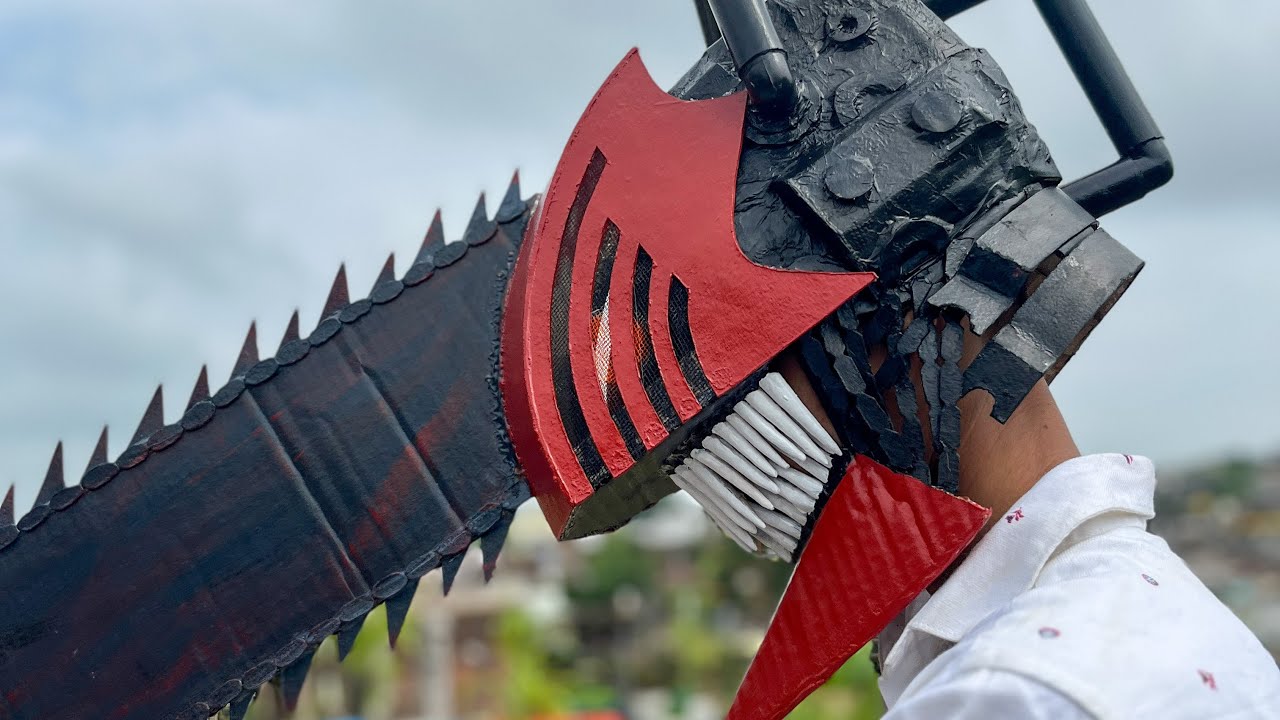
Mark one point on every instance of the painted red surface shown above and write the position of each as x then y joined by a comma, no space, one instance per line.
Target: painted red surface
881,539
669,186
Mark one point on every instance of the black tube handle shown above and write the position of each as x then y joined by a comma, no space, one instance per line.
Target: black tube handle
758,54
1145,163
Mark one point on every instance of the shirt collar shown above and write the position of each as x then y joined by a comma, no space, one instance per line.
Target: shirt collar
1007,560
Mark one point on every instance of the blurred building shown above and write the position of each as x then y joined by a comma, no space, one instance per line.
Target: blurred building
1224,520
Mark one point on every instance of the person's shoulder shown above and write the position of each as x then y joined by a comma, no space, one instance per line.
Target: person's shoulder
1125,629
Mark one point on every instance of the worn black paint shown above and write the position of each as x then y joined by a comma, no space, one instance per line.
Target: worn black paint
294,494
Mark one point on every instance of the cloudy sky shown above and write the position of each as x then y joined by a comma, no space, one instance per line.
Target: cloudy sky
171,171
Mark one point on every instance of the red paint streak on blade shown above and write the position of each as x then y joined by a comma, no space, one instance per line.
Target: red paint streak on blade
881,539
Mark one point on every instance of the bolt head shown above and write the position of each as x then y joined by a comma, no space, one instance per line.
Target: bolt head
937,111
850,180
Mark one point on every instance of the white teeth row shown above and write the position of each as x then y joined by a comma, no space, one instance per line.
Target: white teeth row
760,471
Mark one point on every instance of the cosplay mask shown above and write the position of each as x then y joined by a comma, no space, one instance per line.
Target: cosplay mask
832,183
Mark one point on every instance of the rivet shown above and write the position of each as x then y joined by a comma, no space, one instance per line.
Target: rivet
66,497
99,475
450,254
386,292
164,437
390,585
937,111
258,674
324,331
261,372
226,693
356,609
317,634
849,25
198,416
851,180
355,311
290,652
34,517
228,393
419,273
132,456
292,352
480,523
423,565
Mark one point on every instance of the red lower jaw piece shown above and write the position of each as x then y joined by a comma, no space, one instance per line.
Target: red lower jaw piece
881,539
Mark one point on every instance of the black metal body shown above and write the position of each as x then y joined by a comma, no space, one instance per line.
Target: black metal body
1144,164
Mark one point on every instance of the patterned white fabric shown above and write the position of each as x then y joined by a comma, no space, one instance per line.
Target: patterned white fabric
1069,608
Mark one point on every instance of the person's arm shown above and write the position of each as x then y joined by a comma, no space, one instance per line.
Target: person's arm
987,694
999,463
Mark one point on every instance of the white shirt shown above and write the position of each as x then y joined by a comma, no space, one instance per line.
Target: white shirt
1069,608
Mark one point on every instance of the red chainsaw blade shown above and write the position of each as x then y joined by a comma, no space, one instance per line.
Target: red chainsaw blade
881,539
633,309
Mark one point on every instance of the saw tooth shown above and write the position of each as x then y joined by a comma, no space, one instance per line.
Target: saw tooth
292,678
480,227
248,352
388,272
290,330
398,609
199,393
450,568
6,509
240,706
53,480
338,296
433,241
512,205
491,544
347,636
99,455
152,418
